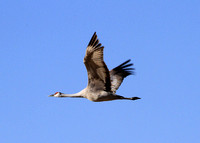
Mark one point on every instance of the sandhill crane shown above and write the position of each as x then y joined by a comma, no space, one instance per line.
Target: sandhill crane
102,83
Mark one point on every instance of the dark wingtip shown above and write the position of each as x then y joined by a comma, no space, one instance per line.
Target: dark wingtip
94,42
125,64
95,34
124,69
93,39
128,60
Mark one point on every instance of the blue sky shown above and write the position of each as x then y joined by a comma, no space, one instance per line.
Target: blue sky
42,45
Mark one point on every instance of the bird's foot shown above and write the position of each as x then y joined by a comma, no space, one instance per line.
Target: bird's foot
135,98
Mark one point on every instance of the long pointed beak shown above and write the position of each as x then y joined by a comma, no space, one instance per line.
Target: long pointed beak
51,95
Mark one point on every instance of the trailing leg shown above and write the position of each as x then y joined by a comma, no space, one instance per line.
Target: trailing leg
131,98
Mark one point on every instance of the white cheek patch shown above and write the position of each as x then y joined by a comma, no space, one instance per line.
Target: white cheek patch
57,94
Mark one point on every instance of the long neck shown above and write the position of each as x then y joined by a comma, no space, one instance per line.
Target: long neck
79,94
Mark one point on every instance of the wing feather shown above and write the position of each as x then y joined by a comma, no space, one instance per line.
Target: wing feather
118,74
98,73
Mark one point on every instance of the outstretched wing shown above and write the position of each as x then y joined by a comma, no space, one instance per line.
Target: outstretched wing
98,73
118,74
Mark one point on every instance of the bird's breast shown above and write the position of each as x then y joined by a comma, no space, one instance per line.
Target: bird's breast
98,97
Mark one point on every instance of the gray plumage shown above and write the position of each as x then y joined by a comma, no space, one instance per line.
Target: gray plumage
102,83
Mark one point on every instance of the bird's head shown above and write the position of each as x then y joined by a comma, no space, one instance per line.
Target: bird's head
57,94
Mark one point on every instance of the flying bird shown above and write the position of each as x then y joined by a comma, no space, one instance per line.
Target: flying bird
102,83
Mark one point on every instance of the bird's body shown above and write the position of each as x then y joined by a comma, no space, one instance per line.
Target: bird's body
102,83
